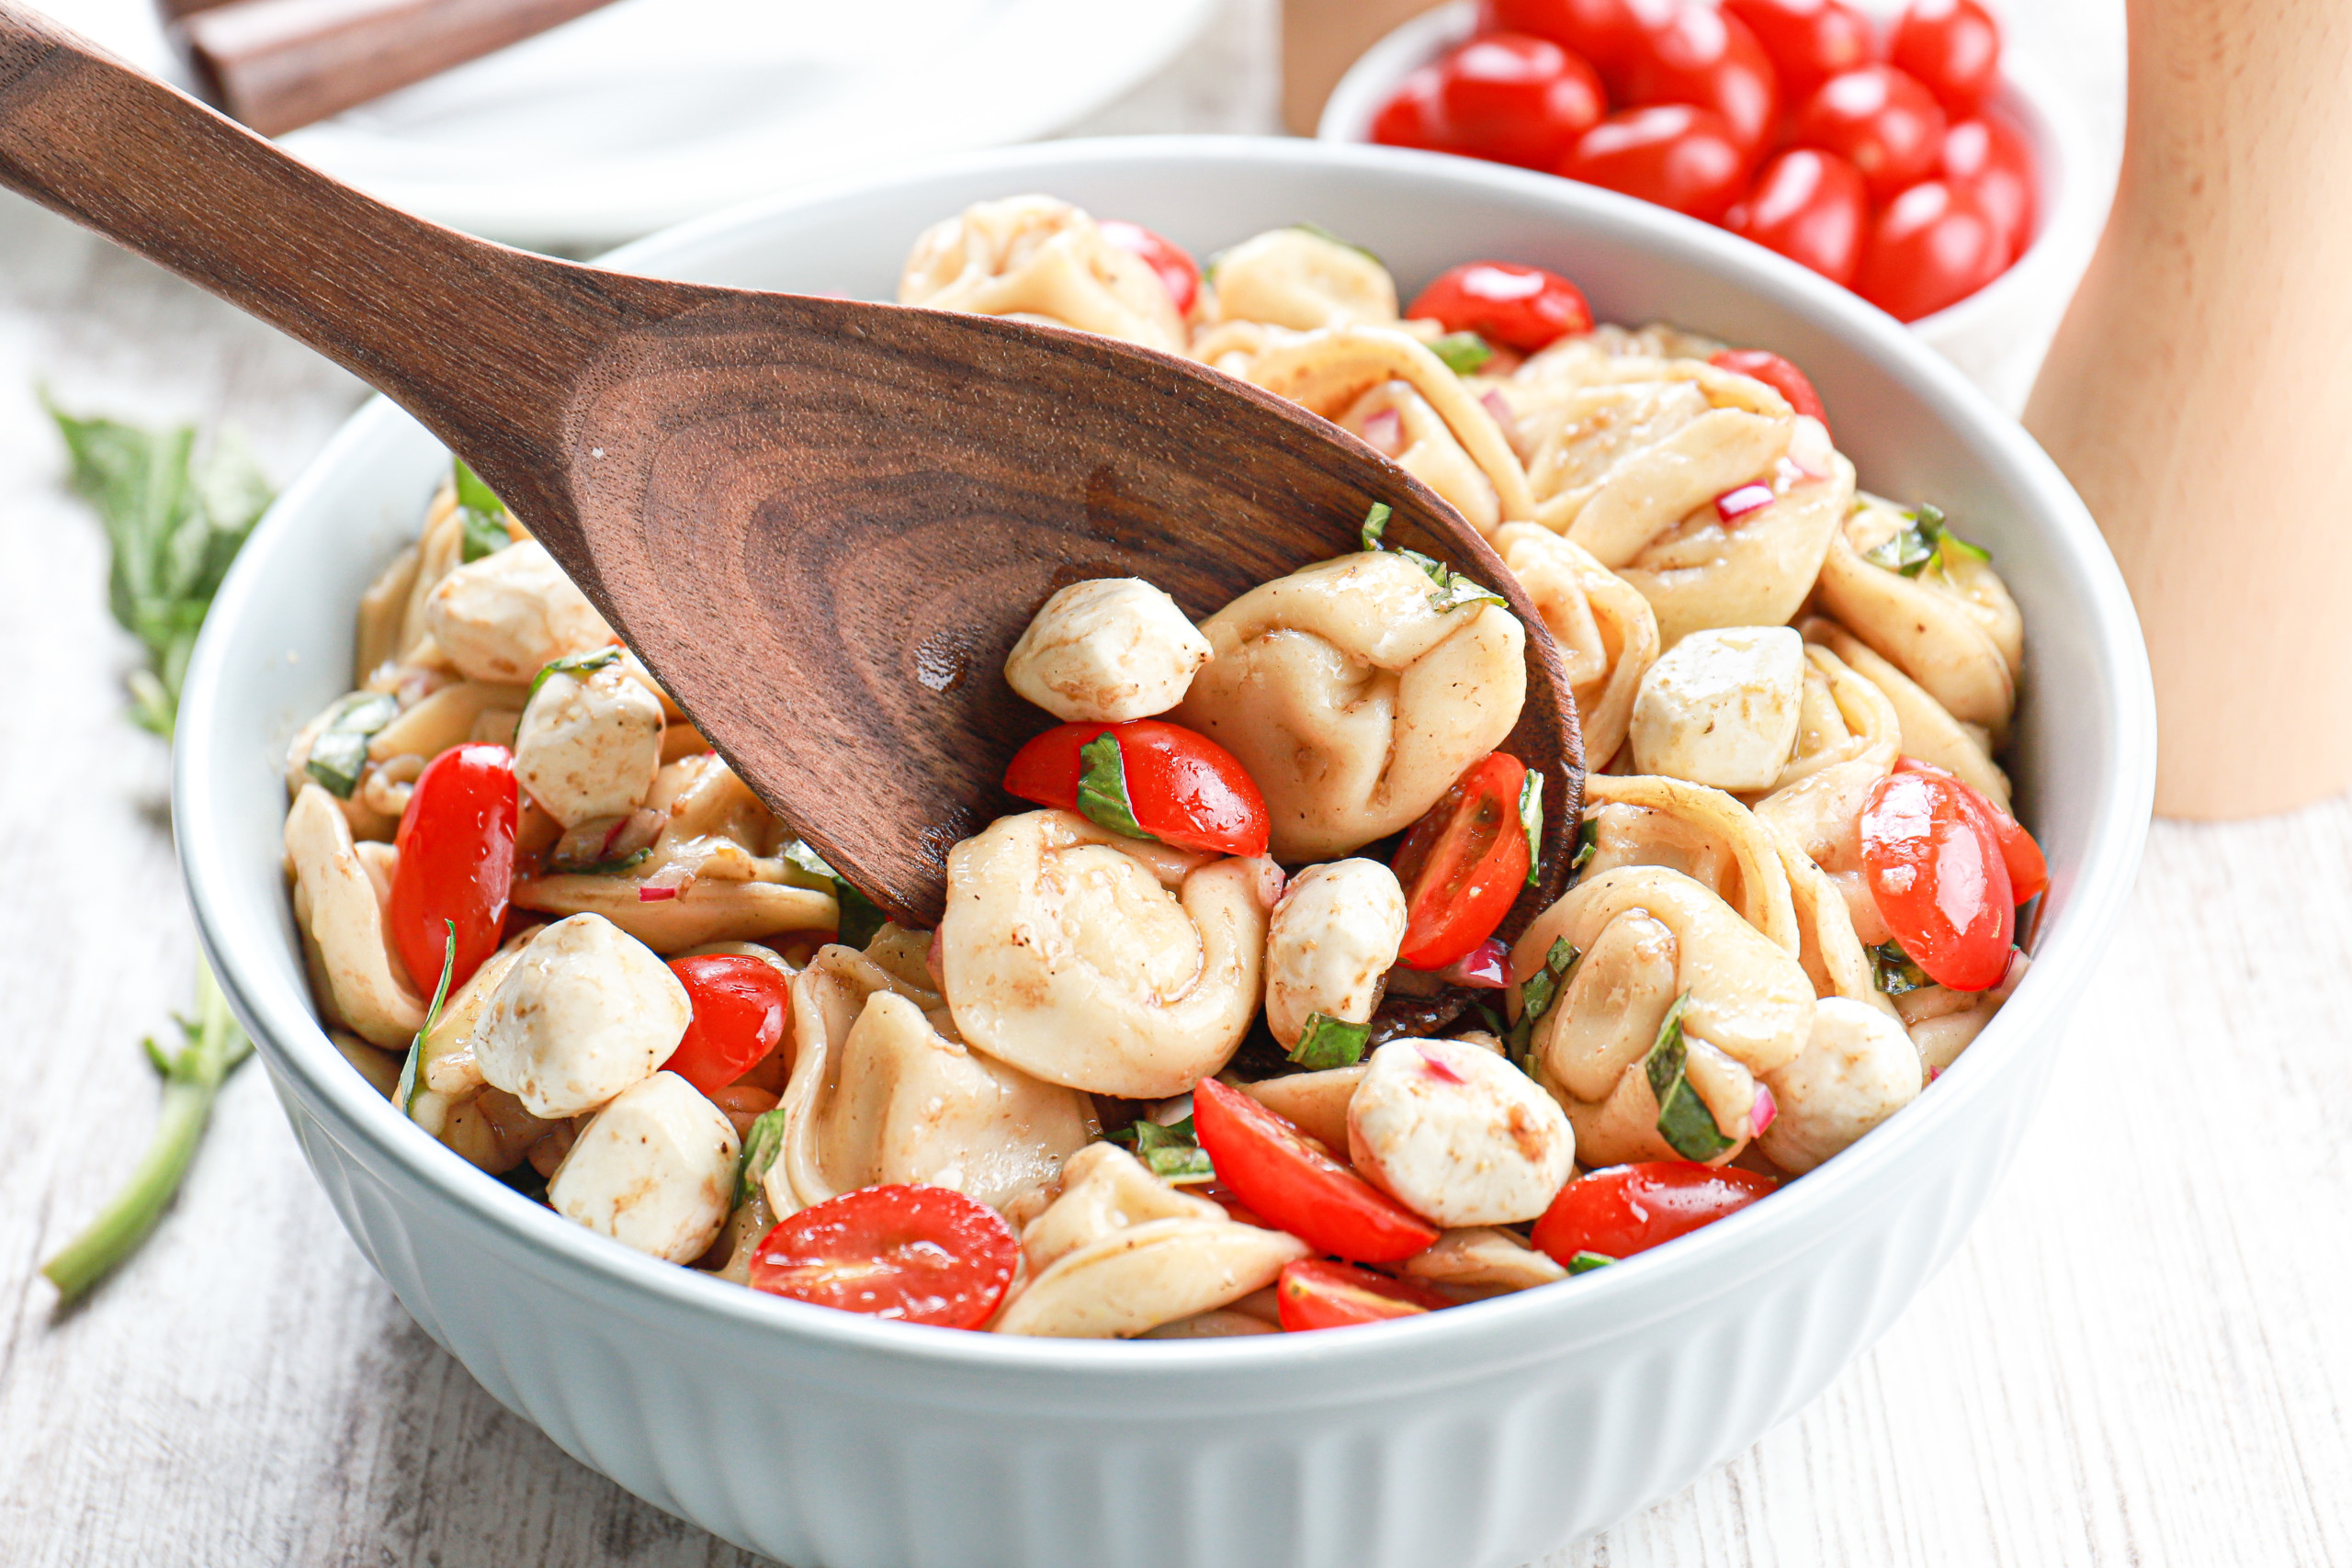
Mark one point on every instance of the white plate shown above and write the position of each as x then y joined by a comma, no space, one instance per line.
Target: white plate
652,111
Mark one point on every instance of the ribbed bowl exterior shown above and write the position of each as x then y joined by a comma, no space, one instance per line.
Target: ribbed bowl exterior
1486,1435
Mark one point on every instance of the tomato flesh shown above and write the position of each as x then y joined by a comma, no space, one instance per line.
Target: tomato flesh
1934,246
456,862
1810,206
1297,1185
1178,273
1316,1293
1184,788
1706,57
1670,154
1521,308
1938,876
915,1254
741,1005
1808,41
1462,865
1954,47
2029,872
1631,1208
1878,119
1776,373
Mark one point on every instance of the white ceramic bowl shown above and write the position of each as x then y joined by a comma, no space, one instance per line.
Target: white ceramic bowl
1997,335
1482,1436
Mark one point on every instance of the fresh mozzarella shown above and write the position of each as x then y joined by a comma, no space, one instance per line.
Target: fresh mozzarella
1458,1135
590,744
1720,707
507,616
654,1171
587,1011
1109,650
1333,936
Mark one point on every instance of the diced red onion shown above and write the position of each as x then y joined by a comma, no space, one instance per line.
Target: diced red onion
1495,403
649,893
1933,1074
1385,430
1484,967
1762,1112
1734,504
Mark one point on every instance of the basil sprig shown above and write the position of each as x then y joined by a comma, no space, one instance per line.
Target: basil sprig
1328,1042
1530,819
586,663
341,749
412,1082
1464,354
1102,788
481,516
1894,971
1536,998
1172,1153
1909,550
1683,1119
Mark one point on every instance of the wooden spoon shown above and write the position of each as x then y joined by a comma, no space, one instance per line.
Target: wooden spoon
822,523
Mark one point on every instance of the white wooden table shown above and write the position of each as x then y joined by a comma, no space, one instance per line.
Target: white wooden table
2138,1357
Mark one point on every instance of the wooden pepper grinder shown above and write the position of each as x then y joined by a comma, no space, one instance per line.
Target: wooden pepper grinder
2199,395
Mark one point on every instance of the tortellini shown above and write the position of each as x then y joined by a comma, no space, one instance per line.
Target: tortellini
1927,731
1300,279
339,898
1606,632
1034,256
1353,700
1706,835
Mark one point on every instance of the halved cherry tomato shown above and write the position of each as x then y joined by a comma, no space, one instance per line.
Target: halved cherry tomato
1517,99
1987,155
916,1254
456,863
1413,117
1184,788
1631,1208
1808,41
1521,308
1298,1185
1703,56
1810,206
1608,33
1878,119
741,1005
1178,272
1953,46
1316,1293
1672,154
1462,865
1938,878
2029,872
1934,246
1776,373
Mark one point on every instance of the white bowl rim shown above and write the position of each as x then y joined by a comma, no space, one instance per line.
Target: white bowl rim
1488,1333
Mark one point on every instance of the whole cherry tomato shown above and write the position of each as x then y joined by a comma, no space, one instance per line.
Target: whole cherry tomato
1936,872
1935,246
1521,308
916,1254
1517,98
1413,117
1810,206
1808,41
1178,273
1608,33
1631,1208
1297,1185
1878,119
1672,154
2029,872
456,863
1776,373
1953,46
1706,57
740,1007
1462,865
1315,1292
1182,787
1988,156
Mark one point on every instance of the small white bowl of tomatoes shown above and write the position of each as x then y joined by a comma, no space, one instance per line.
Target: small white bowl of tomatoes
1901,156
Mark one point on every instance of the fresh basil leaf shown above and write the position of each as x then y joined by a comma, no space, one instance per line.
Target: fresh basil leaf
1894,971
763,1141
340,752
1463,352
480,533
1903,551
1925,540
1320,232
473,494
1536,998
586,663
413,1070
1376,523
1181,1167
1102,788
1947,544
1586,1262
1172,1152
1588,844
1530,819
1683,1119
1453,590
807,859
861,917
1328,1043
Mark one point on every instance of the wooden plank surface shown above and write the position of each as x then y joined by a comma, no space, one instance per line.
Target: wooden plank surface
2138,1357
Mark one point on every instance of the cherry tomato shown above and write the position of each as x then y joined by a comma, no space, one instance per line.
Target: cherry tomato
1776,373
1672,154
916,1254
1988,156
1184,788
1413,117
741,1005
1706,57
1953,46
1521,308
2029,872
1878,119
1631,1208
1178,272
1297,1185
1462,865
1315,1294
1517,99
1608,33
1810,206
456,863
1938,876
1934,246
1808,41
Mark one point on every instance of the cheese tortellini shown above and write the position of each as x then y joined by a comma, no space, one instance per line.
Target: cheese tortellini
1036,257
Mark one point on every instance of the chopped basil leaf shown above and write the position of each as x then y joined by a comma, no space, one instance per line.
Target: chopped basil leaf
1328,1042
1530,819
1172,1153
341,749
1463,352
1894,972
861,917
1535,1000
473,494
612,867
1911,550
1102,788
1588,844
763,1141
1586,1262
1320,232
1376,523
481,516
586,663
1904,551
413,1070
1453,590
1683,1119
807,859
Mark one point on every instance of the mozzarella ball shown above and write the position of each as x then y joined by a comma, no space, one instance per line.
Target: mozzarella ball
1333,936
505,616
654,1171
1857,1069
586,1011
590,744
1107,651
1721,707
1457,1135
